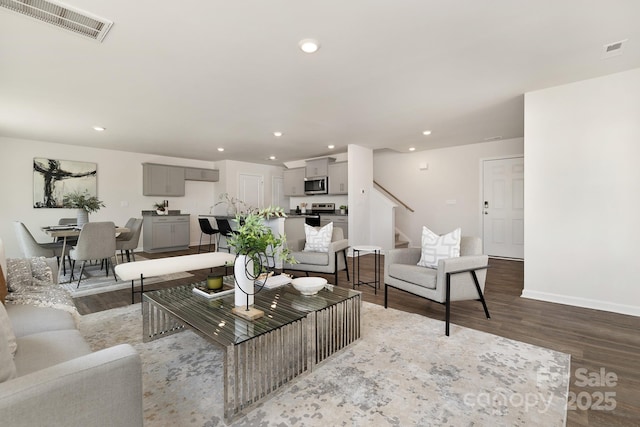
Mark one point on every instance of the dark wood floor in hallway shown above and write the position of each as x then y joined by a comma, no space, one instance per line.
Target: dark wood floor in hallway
598,341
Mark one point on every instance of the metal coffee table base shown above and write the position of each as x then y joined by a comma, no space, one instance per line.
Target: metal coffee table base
259,366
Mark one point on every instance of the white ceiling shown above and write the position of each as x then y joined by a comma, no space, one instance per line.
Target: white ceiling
183,78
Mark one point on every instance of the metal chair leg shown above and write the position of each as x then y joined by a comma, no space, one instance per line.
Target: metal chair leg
81,271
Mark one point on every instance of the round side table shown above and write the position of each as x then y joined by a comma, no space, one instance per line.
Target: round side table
375,250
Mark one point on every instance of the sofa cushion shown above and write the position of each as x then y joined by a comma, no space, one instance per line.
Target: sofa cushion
435,248
45,349
7,365
313,258
28,319
318,239
6,329
420,276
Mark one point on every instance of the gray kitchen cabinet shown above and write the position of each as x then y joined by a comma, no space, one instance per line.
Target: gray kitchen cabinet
162,180
338,178
294,182
341,221
164,233
199,174
317,167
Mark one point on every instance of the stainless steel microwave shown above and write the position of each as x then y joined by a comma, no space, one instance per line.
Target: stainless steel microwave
316,185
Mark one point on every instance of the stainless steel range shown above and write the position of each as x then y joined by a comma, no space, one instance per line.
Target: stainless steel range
312,217
323,207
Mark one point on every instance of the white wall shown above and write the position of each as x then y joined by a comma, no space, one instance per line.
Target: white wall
230,171
360,186
453,174
119,186
582,193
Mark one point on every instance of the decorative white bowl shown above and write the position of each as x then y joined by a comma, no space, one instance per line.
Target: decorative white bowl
309,285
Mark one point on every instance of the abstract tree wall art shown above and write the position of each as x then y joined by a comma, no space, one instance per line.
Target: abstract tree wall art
52,179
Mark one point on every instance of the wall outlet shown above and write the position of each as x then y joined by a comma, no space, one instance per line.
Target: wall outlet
451,202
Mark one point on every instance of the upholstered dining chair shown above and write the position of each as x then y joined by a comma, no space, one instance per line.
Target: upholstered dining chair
206,228
309,261
97,240
127,242
454,279
31,248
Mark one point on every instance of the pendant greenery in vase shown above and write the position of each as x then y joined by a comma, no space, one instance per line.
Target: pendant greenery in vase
254,244
84,203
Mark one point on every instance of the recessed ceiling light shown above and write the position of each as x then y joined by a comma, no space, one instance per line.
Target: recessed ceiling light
98,128
426,132
309,45
331,147
277,134
412,148
221,149
272,157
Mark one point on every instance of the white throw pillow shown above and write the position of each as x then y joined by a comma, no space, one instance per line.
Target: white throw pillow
435,248
6,329
318,240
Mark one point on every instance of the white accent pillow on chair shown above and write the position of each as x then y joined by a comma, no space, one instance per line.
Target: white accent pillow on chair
435,248
318,240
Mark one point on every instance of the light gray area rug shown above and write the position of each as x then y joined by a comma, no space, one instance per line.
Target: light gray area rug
404,371
95,281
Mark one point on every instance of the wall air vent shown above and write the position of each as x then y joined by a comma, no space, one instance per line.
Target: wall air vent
613,49
62,16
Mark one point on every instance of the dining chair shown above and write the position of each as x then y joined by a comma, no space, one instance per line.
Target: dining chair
224,227
30,247
128,241
97,240
206,228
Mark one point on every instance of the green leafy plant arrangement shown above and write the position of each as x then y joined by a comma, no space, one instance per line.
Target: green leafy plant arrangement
82,200
256,240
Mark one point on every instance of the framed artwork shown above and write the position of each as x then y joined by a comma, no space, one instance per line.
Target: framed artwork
52,179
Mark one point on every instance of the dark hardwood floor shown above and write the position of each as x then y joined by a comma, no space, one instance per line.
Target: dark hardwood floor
598,341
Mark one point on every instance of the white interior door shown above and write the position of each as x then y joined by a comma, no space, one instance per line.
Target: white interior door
503,207
277,196
251,190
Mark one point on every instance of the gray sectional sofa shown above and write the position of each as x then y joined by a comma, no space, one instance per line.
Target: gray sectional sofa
54,378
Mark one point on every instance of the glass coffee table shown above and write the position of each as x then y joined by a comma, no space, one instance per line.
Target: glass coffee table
295,334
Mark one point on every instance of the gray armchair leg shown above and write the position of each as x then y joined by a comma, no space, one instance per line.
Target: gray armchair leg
448,297
346,264
484,304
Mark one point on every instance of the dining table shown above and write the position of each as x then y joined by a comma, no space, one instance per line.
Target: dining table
70,230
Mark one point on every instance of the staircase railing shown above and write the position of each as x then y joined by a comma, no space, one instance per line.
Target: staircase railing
390,194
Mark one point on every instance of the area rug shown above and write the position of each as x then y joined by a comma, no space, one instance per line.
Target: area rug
403,371
95,281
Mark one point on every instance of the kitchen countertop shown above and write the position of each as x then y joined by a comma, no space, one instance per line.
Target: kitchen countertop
309,212
171,213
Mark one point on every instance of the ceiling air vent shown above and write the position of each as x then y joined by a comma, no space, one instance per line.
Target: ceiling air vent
613,49
62,16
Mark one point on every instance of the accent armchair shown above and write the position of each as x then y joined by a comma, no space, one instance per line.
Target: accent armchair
330,262
455,279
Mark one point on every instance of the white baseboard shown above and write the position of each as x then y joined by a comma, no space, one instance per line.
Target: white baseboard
632,310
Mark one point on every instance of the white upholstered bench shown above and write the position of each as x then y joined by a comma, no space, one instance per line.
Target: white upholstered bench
157,267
